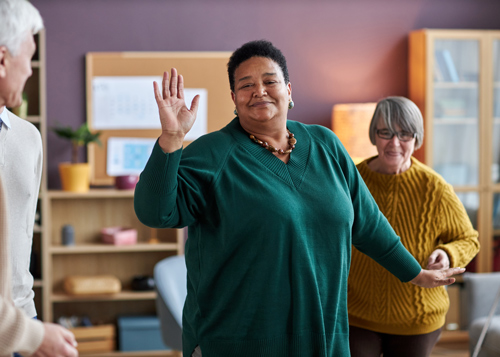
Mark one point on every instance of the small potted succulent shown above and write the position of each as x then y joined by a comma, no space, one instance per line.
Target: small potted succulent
75,176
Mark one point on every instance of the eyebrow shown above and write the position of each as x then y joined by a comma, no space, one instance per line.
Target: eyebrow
268,74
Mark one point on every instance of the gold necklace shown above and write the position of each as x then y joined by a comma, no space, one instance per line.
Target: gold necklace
291,141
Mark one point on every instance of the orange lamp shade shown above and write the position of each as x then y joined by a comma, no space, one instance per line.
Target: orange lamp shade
351,123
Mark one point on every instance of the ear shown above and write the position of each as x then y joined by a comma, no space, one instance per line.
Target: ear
289,89
3,61
233,97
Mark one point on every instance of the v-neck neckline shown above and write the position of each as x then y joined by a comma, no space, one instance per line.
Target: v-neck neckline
292,172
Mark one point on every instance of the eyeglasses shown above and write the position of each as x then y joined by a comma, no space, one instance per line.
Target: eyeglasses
402,135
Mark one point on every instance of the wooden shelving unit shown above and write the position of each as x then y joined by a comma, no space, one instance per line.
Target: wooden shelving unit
88,213
462,133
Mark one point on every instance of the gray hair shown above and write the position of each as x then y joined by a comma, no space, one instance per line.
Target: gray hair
17,19
398,111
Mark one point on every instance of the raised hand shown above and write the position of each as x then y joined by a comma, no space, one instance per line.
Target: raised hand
175,117
435,278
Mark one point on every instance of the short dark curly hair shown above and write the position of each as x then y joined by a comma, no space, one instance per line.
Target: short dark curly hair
259,48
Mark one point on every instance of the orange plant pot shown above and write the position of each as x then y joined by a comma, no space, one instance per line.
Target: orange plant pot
75,177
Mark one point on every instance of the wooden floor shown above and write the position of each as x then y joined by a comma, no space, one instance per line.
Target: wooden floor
454,344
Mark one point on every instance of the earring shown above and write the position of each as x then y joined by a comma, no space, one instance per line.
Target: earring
235,112
291,104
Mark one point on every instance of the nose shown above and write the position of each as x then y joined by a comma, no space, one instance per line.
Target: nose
395,141
260,90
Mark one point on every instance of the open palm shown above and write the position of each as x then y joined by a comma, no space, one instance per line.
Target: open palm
176,119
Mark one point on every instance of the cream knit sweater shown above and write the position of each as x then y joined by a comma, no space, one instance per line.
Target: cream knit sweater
18,332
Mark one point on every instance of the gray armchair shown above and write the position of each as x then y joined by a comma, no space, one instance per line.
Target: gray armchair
171,286
480,291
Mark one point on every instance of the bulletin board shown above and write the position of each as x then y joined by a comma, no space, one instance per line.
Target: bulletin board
200,70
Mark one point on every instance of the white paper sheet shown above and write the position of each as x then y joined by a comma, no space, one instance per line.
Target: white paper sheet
129,103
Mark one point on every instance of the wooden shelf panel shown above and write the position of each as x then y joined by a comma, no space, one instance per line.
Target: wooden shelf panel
92,193
456,85
104,248
125,295
455,121
37,283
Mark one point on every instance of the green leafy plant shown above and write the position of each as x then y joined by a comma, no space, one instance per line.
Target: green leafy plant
79,138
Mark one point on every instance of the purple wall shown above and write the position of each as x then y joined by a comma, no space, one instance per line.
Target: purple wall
338,51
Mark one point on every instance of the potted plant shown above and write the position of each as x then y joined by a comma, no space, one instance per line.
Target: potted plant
75,175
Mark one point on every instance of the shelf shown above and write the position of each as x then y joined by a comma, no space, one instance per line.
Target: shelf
37,283
35,64
456,85
135,354
105,248
92,193
455,121
124,295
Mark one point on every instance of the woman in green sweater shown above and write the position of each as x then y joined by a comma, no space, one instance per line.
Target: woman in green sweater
272,207
385,316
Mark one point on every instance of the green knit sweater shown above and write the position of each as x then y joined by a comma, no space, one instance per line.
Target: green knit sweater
427,214
269,243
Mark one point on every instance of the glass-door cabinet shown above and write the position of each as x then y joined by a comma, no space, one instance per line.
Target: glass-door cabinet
454,78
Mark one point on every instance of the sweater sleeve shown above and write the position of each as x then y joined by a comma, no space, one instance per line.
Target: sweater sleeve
371,233
18,332
460,239
171,192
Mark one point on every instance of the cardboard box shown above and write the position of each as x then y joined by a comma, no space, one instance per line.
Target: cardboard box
95,338
139,333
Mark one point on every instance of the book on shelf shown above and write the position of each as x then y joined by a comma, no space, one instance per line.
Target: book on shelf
446,66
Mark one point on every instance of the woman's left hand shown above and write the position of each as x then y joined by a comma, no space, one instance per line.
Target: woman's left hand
435,278
438,260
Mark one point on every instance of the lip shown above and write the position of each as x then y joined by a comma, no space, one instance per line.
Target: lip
393,153
260,104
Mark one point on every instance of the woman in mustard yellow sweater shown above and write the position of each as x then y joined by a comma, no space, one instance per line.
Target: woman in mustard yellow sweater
386,316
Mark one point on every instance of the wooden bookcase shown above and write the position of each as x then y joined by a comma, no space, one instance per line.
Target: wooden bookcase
87,213
460,101
454,78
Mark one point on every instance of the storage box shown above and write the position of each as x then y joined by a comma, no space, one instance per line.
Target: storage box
92,284
139,333
119,235
95,338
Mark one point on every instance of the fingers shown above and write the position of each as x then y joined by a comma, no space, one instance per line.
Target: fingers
180,87
158,96
164,83
454,271
70,351
194,104
69,337
173,83
432,258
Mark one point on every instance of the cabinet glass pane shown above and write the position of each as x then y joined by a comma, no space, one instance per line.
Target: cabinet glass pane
470,200
496,213
456,111
495,167
496,231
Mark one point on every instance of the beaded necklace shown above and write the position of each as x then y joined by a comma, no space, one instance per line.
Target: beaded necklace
291,142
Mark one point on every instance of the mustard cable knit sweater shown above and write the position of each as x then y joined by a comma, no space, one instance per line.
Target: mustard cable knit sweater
426,213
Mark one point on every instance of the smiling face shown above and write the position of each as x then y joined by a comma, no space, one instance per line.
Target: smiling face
260,92
394,156
15,71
